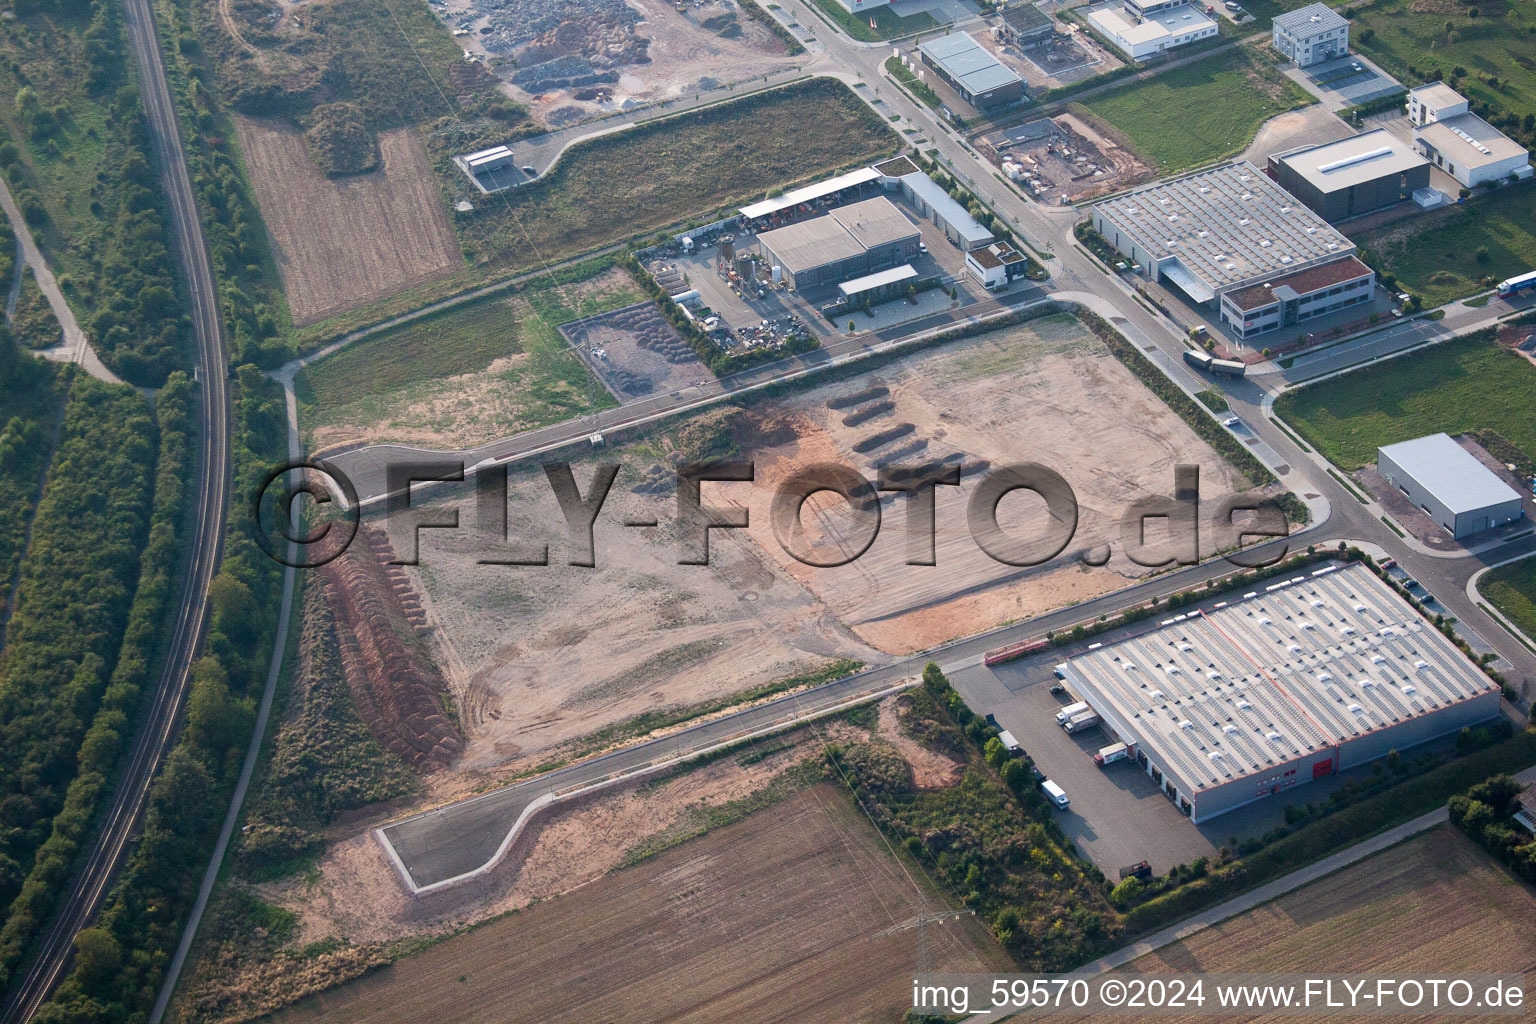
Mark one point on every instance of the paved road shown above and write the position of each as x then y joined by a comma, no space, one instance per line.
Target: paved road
458,838
110,844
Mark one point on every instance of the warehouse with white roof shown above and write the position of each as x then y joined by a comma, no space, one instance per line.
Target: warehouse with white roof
1459,493
1287,684
1224,232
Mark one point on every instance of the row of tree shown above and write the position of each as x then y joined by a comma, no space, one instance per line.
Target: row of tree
77,580
1485,813
121,961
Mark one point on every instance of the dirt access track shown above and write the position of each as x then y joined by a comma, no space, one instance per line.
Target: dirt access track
795,913
540,656
341,243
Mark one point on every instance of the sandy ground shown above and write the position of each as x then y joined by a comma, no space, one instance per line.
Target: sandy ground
1047,392
341,243
541,655
358,895
797,914
465,409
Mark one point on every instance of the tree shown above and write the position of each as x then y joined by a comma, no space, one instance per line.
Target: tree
98,958
1126,891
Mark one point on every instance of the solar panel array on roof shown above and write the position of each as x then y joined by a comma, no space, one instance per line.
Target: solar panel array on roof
1308,664
1229,226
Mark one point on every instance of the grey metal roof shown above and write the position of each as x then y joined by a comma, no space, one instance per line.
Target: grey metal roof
1310,20
879,279
969,63
1449,472
1285,671
1354,161
1229,226
845,232
947,208
1469,141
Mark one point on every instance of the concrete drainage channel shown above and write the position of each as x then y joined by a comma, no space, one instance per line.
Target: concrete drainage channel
587,786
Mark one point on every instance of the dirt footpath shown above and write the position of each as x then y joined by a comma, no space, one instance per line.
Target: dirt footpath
345,242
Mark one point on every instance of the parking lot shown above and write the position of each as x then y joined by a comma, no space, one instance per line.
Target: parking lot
1118,814
701,270
1344,82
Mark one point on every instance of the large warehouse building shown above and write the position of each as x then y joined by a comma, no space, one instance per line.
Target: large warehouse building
1353,176
970,69
1459,493
851,241
1220,233
1289,684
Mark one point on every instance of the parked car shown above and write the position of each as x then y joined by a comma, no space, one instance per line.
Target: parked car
1057,689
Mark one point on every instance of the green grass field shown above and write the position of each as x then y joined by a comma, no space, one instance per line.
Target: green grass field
667,171
1442,255
1459,386
371,380
888,24
1201,112
1500,42
1512,590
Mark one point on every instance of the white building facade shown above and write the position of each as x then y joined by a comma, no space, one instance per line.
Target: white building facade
1311,35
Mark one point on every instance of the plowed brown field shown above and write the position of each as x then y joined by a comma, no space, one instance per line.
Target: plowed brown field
1435,906
796,914
345,242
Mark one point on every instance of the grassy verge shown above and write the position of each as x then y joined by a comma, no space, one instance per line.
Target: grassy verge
34,325
1458,386
888,24
909,81
1446,254
1200,112
669,170
1214,401
370,381
1512,590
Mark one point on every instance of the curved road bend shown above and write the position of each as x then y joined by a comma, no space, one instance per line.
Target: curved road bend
455,839
88,889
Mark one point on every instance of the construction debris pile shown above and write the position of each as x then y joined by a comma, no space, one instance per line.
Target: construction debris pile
397,689
558,43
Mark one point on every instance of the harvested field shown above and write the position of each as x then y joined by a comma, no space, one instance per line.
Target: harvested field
1467,913
635,351
396,688
342,243
796,914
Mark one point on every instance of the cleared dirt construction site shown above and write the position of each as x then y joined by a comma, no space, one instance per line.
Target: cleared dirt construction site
541,656
800,913
340,243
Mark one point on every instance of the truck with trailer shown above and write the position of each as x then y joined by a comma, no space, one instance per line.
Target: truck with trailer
1082,720
1205,361
1516,285
1070,710
1110,754
1199,360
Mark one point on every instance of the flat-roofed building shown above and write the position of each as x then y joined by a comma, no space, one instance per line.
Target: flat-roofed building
1220,231
1299,297
1352,176
1310,35
1286,684
972,71
945,211
863,6
849,242
1471,150
1458,492
1162,28
880,285
996,265
1025,25
1429,103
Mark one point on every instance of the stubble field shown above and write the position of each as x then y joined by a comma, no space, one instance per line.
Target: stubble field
342,243
800,914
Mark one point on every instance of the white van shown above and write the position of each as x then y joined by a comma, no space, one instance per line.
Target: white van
1070,710
1056,794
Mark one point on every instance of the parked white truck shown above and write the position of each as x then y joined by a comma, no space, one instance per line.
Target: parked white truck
1110,754
1070,710
1082,720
